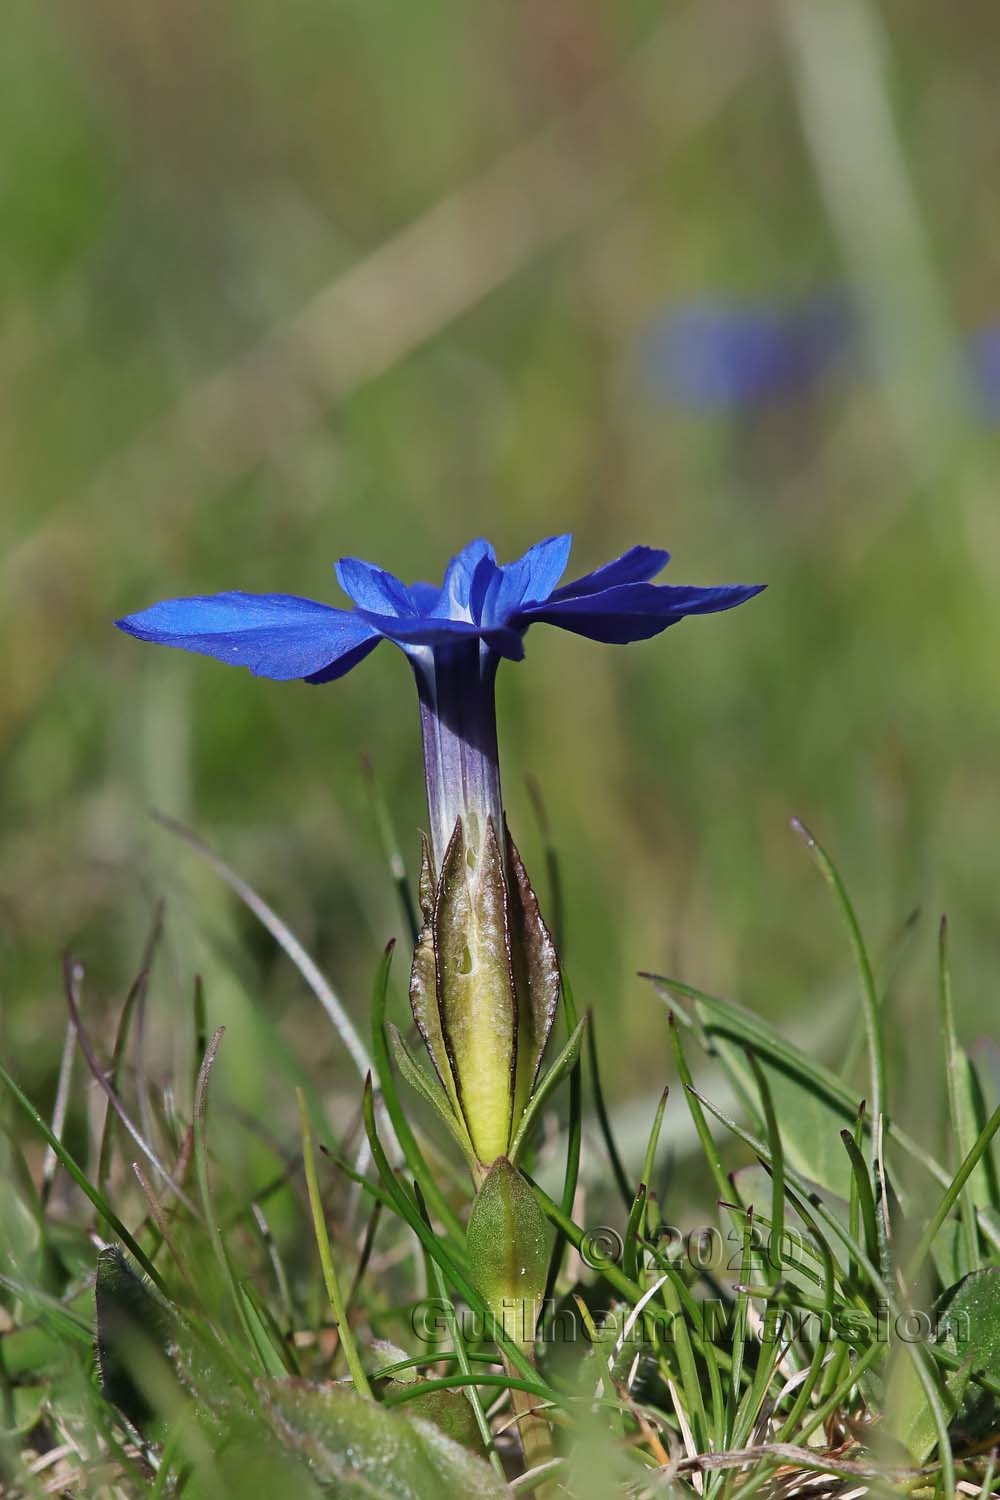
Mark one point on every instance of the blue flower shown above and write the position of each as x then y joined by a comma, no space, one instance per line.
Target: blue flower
984,359
717,356
454,636
485,977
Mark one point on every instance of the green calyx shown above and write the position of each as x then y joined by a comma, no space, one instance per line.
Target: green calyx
508,1244
484,987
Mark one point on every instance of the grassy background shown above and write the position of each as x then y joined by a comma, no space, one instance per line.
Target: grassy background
292,282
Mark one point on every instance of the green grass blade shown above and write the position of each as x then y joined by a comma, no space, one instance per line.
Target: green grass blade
461,1353
960,1104
951,1195
740,1329
777,1164
78,1175
603,1120
808,1192
406,1209
708,1146
553,1077
205,1186
869,992
556,919
862,1186
389,840
633,1234
574,1139
649,1160
330,1278
457,1382
744,1027
387,1086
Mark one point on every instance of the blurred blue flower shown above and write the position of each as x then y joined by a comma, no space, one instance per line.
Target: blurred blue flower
718,357
984,359
454,636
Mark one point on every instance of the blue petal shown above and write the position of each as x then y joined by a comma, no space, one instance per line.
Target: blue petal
373,588
275,635
425,596
637,565
529,580
465,582
635,611
432,630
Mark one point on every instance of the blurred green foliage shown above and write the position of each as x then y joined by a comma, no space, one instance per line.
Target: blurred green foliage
284,283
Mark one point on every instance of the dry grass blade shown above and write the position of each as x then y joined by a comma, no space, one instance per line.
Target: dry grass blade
282,935
291,946
51,1163
73,977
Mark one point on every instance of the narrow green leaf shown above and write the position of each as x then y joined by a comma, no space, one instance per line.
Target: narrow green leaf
808,1190
961,1107
266,1335
561,1066
951,1195
649,1160
400,1124
462,1357
869,993
330,1278
617,1166
574,1137
96,1197
406,1209
390,846
208,1207
865,1195
557,924
633,1234
708,1146
727,1018
777,1166
740,1328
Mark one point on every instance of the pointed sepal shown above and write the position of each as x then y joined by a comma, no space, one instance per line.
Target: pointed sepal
427,882
430,1089
426,1011
537,980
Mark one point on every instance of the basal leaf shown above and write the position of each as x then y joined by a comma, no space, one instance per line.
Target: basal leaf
358,1448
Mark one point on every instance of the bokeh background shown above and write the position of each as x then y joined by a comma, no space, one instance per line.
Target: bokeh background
281,283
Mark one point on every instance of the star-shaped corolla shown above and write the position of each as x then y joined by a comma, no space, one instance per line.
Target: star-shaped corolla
282,636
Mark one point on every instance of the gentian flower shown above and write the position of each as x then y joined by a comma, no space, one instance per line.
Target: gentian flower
485,976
